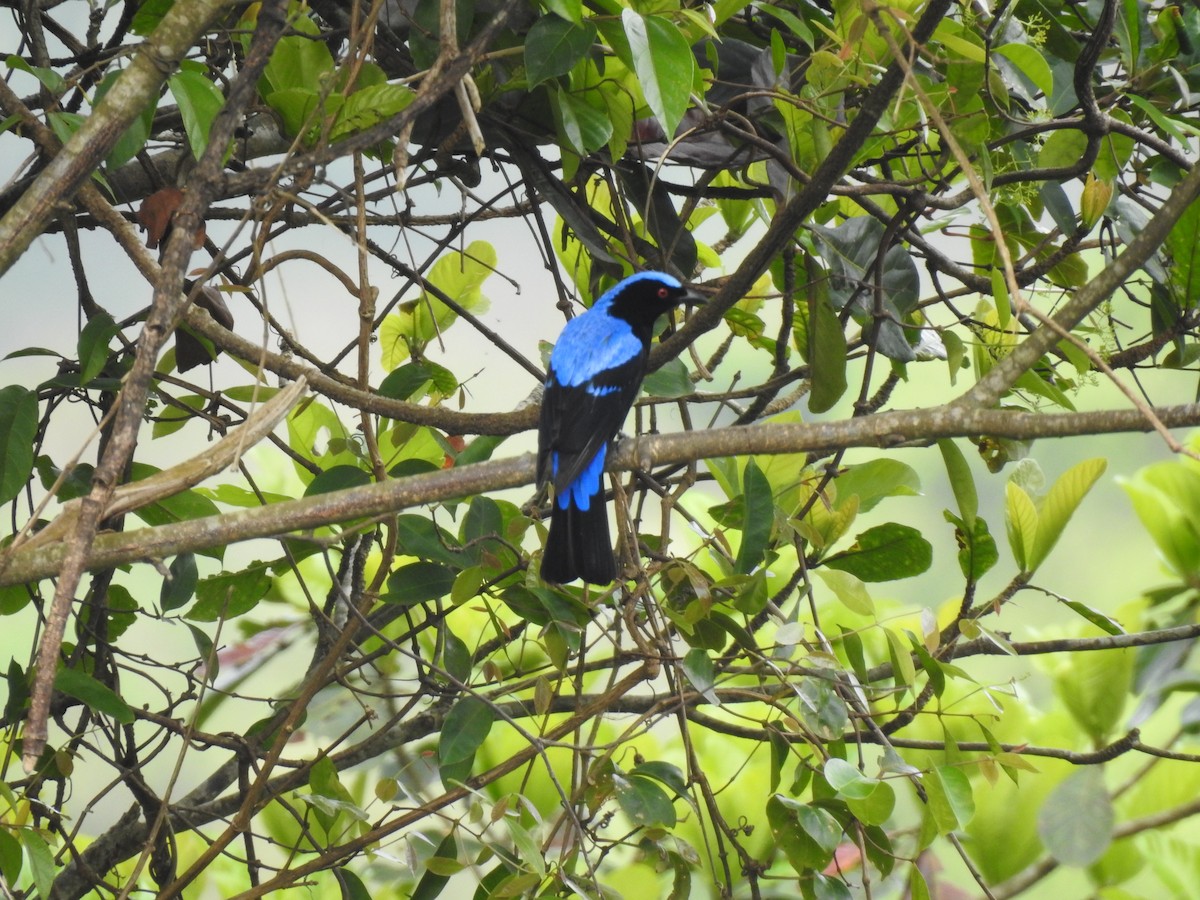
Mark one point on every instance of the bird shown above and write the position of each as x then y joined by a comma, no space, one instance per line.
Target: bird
596,370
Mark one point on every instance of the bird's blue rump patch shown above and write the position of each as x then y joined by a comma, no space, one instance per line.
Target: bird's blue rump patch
584,489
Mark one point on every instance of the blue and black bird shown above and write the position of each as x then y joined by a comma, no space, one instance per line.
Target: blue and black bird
596,370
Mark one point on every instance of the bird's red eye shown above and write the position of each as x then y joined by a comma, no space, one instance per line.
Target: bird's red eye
662,293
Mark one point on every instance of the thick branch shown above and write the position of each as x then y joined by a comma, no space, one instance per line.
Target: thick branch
889,429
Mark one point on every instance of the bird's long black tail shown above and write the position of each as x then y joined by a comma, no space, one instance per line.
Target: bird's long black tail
578,545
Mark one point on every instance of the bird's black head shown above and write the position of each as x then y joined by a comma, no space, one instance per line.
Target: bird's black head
640,299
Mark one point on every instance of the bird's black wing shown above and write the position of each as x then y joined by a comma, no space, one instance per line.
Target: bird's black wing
576,422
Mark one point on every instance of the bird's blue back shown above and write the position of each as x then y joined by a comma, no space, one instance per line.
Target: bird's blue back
597,340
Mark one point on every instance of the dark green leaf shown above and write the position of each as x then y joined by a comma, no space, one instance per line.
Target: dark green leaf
483,524
961,482
179,586
672,380
1105,623
664,772
826,353
227,595
406,382
807,834
977,552
93,694
18,433
885,553
644,802
351,884
554,45
418,582
93,345
432,884
421,537
13,598
10,857
465,729
337,478
479,450
851,251
759,517
456,657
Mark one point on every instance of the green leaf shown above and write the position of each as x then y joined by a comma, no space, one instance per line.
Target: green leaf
826,344
876,480
18,435
977,551
1021,522
1032,64
1076,820
554,45
885,553
757,520
179,586
585,128
419,582
849,590
950,800
50,79
1094,688
351,884
10,857
962,482
571,10
663,62
297,62
1105,623
699,670
821,709
93,694
227,595
663,772
199,102
465,729
876,808
367,107
41,861
847,780
421,537
905,671
433,882
457,275
337,478
644,802
1063,148
672,380
808,835
1060,504
483,523
93,345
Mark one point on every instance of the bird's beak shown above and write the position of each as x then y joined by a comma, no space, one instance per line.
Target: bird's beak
691,298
